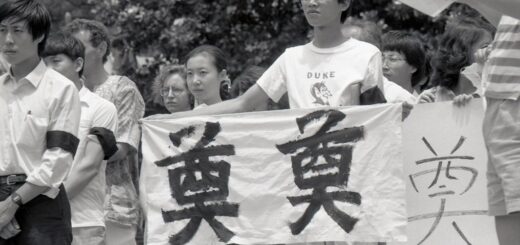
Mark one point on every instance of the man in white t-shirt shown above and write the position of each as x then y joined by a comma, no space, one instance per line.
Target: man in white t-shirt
85,184
331,70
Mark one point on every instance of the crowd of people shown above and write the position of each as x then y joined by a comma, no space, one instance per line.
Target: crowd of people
70,129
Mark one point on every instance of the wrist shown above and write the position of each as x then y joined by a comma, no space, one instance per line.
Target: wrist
16,199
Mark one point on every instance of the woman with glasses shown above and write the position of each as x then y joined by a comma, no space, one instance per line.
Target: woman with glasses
404,60
171,85
462,50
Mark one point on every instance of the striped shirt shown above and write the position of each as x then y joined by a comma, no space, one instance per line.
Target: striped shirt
501,74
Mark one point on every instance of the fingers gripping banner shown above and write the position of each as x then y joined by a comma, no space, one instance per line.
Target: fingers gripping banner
275,177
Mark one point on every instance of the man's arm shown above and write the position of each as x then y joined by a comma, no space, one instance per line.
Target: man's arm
99,145
247,102
86,168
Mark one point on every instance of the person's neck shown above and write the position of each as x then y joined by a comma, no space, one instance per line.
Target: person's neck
25,67
328,36
95,77
209,101
407,86
77,82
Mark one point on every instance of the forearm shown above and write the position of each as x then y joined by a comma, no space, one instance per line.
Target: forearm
77,181
226,107
29,191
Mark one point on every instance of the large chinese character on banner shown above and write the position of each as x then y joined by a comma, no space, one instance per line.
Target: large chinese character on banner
308,175
446,161
199,181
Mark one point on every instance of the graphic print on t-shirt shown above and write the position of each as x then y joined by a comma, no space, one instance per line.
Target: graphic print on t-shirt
320,93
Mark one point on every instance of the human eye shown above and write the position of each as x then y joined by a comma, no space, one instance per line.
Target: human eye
203,72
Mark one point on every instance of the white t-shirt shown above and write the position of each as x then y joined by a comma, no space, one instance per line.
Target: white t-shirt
315,77
87,206
397,94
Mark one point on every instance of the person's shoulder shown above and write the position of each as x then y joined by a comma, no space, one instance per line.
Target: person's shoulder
101,107
123,82
57,80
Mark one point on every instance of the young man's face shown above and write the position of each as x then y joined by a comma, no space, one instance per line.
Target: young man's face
323,12
92,54
64,65
16,42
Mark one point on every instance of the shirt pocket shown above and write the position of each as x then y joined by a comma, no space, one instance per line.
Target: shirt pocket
32,132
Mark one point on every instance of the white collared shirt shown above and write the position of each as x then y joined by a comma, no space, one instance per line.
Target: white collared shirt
41,102
87,205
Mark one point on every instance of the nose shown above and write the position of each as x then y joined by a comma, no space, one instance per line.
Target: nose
9,37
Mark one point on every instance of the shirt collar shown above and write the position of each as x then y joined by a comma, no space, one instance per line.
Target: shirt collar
84,95
34,77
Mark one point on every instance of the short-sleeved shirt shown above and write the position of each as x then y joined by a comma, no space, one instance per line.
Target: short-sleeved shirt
315,77
501,76
87,206
121,205
40,108
396,94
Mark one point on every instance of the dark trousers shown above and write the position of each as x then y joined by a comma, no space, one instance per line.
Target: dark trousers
43,221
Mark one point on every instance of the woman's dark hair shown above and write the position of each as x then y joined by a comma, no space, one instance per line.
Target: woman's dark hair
411,47
246,79
455,50
219,60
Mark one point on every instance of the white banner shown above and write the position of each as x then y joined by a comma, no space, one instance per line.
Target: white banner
275,177
445,164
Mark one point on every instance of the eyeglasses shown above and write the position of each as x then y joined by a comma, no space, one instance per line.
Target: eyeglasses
392,59
165,92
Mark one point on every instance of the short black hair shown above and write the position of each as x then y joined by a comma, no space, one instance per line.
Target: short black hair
33,12
409,45
98,33
64,43
345,13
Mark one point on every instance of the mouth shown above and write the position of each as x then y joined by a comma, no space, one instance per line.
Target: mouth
9,52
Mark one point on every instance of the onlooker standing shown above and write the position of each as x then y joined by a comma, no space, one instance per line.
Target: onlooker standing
40,111
457,50
171,85
370,32
404,60
86,183
502,130
122,207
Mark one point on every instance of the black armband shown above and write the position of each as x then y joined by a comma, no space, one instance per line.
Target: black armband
106,139
372,96
66,141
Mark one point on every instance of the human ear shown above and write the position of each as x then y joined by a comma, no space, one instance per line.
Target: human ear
78,64
102,48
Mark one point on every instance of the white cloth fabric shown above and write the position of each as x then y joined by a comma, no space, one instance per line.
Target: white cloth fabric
42,101
396,94
315,77
87,206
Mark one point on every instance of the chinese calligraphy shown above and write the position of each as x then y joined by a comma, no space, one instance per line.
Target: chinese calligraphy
200,182
320,161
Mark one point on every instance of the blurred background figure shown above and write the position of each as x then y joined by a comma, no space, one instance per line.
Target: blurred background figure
247,79
455,71
171,86
370,32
